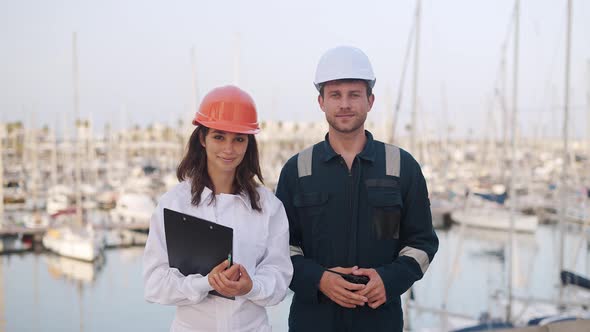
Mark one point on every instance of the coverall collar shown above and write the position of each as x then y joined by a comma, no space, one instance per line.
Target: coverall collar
368,152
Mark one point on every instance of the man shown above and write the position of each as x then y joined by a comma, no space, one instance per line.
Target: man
355,206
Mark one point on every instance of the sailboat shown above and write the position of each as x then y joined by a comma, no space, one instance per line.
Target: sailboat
493,216
74,238
73,242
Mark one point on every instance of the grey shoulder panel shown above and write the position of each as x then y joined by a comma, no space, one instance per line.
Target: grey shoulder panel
304,162
392,160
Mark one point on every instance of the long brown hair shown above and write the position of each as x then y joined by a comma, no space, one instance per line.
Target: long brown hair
194,167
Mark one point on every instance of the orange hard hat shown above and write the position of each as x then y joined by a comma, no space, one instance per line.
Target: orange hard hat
230,109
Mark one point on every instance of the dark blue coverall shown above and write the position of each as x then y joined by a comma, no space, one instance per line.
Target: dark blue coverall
362,217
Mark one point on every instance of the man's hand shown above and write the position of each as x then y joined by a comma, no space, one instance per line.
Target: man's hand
234,281
374,290
341,291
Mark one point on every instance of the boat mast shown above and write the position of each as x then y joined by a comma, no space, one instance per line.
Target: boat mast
236,59
78,124
513,126
2,133
195,86
401,83
108,142
413,125
588,115
446,140
505,122
565,164
53,155
33,148
188,127
2,305
415,83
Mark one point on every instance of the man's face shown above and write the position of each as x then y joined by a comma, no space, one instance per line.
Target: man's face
346,105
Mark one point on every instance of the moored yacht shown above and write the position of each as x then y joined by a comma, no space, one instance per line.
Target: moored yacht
74,242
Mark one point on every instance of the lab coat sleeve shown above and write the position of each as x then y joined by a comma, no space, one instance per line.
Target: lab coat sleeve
274,272
162,284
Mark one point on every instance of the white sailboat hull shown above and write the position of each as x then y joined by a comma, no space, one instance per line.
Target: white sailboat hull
498,219
133,209
68,244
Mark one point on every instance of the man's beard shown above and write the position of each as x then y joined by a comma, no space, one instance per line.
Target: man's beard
349,127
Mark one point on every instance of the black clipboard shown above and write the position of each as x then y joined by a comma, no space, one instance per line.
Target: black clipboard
195,245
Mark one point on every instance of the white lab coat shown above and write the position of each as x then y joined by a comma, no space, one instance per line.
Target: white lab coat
260,244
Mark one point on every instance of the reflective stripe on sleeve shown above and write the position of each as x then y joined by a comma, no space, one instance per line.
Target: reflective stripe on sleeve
295,250
418,255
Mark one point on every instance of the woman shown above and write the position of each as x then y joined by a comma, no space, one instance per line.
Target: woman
217,184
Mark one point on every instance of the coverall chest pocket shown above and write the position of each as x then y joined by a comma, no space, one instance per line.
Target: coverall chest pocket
311,207
310,204
385,212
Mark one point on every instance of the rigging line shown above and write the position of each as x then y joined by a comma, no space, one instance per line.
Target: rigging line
559,32
499,85
503,50
402,79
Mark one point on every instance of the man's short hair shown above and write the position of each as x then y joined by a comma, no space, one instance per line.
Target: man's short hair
349,80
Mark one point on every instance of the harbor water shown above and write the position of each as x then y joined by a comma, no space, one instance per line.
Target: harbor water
40,291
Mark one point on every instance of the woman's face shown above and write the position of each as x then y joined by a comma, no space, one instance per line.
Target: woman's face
225,151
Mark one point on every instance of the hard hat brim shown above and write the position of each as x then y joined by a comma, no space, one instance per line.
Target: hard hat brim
371,83
230,127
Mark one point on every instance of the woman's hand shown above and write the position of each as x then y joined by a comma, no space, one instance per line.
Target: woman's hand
233,273
224,284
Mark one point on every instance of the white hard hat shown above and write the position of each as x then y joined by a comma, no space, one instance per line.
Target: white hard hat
344,62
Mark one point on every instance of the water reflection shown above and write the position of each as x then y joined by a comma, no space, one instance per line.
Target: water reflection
60,267
469,276
44,292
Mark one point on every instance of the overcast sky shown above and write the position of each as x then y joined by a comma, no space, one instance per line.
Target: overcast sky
135,59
